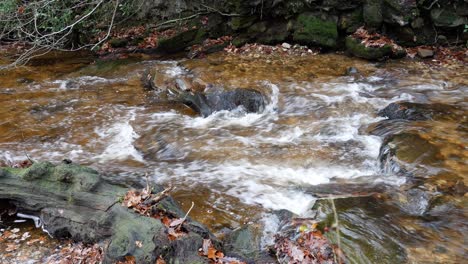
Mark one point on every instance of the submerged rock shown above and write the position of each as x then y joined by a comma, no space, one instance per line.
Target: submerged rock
420,112
408,153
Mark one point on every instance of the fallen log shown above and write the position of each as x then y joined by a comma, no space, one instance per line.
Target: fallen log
74,202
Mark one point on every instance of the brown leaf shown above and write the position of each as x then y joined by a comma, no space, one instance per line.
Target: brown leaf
160,260
211,253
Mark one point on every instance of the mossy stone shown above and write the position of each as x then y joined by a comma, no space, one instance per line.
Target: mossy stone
351,21
312,29
238,23
178,42
372,13
356,48
244,242
36,171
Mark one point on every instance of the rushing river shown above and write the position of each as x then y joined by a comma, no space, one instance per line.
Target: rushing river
314,139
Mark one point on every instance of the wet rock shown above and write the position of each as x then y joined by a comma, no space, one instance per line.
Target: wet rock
244,243
316,29
358,49
251,100
366,228
413,202
420,112
352,71
425,53
408,154
74,202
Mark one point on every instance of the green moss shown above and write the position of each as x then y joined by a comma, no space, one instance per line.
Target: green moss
313,30
36,171
356,48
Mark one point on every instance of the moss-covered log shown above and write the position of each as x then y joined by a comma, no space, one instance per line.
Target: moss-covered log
75,202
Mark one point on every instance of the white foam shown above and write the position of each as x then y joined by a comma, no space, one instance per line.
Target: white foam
119,138
273,186
238,117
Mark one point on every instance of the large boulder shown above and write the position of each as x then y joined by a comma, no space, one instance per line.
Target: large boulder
400,12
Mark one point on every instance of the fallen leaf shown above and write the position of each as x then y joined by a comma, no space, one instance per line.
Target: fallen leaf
211,253
160,260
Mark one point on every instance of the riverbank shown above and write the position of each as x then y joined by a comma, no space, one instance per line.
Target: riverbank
371,29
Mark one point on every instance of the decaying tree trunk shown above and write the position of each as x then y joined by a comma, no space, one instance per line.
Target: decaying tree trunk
73,201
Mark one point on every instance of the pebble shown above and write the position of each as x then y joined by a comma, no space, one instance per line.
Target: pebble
286,45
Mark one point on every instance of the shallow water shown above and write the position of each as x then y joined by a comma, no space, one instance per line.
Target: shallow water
312,139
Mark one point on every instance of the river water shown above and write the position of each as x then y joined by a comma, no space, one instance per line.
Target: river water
316,137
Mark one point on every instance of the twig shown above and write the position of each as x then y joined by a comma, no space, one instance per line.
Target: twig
148,187
430,6
110,26
178,19
185,217
337,226
162,195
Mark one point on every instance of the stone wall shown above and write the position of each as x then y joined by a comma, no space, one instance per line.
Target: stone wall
323,23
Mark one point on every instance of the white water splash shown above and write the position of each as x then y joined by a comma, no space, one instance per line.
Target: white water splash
120,137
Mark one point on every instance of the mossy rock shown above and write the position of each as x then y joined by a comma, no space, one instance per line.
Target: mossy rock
313,29
399,12
178,42
74,202
356,48
372,13
238,23
351,21
70,177
272,33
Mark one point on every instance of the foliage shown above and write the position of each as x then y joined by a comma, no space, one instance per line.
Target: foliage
46,25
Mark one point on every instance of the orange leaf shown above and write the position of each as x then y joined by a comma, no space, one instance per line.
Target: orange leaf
211,253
